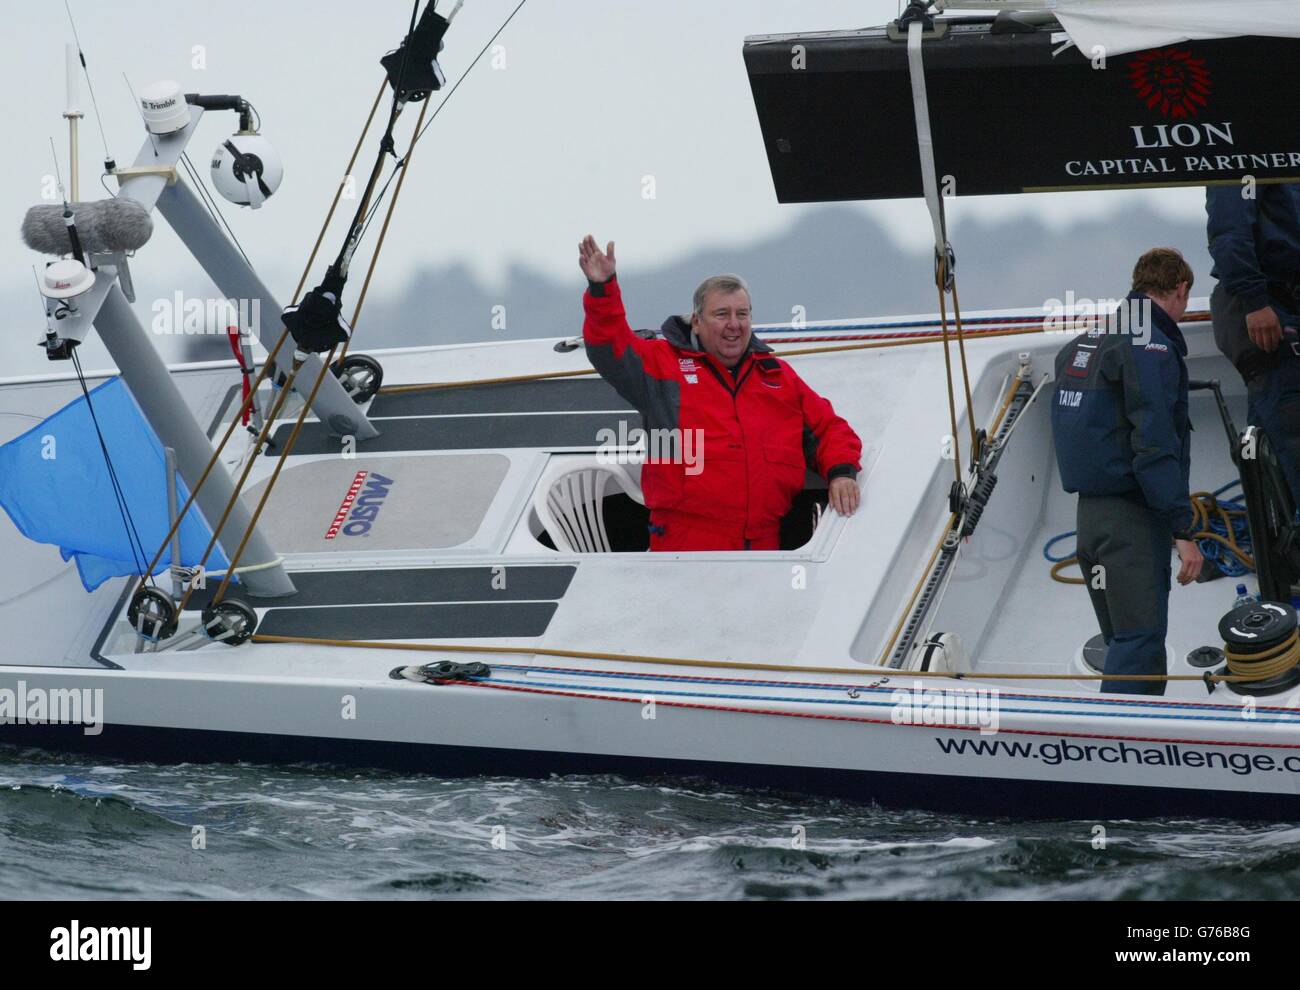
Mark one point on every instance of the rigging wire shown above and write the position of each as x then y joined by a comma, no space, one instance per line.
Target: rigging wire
140,110
400,163
262,435
364,216
213,209
128,522
353,241
275,476
268,366
379,245
85,71
451,92
212,461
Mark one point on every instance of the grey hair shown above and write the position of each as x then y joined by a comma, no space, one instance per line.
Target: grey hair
720,283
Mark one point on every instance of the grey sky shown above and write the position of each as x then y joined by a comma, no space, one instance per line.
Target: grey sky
594,96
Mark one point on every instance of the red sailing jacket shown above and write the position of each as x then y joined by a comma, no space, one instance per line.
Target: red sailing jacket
759,430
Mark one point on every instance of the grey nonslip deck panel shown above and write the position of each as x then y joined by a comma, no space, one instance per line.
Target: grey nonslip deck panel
464,433
424,584
449,621
564,395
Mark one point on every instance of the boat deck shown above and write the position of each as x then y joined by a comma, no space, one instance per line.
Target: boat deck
1038,618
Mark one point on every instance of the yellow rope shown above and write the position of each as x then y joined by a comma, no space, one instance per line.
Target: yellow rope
1203,505
1261,666
339,191
383,232
258,444
797,352
540,651
941,277
952,521
275,474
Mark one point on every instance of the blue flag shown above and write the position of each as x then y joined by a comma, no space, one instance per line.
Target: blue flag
56,488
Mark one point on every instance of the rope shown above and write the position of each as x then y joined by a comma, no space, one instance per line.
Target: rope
212,461
275,474
941,277
262,436
943,536
1262,666
1220,529
965,372
362,644
383,232
267,366
799,352
338,192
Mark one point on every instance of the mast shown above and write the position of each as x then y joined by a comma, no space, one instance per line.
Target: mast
72,115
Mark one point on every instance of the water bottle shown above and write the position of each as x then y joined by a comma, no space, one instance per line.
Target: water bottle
1244,597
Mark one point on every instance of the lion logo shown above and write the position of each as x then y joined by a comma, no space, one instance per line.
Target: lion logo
1170,80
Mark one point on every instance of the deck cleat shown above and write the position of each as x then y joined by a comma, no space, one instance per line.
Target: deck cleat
442,672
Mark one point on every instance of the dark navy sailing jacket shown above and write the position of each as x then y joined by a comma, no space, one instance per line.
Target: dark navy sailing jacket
1255,242
1119,413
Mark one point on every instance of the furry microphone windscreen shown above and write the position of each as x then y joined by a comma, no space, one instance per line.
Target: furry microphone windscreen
104,226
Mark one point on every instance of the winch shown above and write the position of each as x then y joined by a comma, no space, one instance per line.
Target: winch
1262,642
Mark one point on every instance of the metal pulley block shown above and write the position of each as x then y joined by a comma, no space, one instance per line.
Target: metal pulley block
360,375
229,621
152,615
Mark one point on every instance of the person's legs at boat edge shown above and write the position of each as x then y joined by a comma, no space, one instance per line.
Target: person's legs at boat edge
1132,548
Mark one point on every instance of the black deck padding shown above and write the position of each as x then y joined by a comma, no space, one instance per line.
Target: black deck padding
563,395
425,584
449,621
467,433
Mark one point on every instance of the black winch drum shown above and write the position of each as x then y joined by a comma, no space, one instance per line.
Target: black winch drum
1257,630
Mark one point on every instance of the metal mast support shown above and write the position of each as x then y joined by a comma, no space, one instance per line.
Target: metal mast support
187,215
152,181
160,400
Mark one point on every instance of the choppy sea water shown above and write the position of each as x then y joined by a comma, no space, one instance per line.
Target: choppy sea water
75,829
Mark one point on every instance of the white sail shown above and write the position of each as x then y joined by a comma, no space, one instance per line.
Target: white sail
1120,26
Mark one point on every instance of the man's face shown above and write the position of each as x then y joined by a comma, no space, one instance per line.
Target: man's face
723,327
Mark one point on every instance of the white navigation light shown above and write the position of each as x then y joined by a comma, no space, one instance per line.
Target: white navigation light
65,279
246,170
164,107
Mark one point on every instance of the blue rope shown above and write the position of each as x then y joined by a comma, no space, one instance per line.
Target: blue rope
1239,530
1047,547
1226,561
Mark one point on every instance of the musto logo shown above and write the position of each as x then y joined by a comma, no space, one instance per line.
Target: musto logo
1170,80
361,505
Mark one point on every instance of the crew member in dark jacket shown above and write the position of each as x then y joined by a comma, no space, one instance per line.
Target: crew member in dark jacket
1122,435
1255,243
759,424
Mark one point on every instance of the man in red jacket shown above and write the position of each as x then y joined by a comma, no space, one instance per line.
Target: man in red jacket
758,425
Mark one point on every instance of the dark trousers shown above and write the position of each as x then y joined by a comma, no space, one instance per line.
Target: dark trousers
1272,381
1124,553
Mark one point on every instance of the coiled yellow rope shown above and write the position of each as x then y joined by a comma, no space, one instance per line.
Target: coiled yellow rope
1262,666
1204,505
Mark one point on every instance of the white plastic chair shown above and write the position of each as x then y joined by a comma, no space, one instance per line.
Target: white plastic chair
569,501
